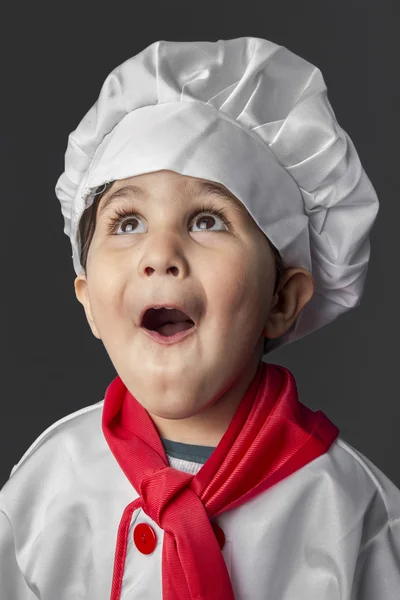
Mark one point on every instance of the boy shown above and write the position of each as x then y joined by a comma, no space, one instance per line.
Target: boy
212,200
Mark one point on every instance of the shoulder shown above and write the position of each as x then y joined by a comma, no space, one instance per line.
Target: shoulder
363,481
340,496
65,428
374,527
60,459
63,481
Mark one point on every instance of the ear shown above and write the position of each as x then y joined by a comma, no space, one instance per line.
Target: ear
295,289
81,292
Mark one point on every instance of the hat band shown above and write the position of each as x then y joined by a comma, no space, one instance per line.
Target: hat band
197,140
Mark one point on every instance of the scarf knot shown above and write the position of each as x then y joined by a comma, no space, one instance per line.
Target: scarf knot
161,488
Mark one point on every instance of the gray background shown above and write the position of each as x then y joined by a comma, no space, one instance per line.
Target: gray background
52,67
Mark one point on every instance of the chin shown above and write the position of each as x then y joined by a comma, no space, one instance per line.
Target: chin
175,412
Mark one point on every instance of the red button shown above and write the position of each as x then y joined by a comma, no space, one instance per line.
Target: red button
219,534
144,538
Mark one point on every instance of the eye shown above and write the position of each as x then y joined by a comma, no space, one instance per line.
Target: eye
204,212
126,217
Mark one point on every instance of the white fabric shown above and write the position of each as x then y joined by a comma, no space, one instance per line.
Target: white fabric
255,117
184,465
330,531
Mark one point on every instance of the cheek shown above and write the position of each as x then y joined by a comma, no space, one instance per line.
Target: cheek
105,293
237,286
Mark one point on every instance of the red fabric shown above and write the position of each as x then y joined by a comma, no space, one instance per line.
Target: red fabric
270,436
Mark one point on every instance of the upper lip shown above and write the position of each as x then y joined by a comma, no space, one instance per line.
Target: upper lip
179,306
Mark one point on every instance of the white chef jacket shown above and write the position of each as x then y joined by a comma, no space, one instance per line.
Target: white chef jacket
329,531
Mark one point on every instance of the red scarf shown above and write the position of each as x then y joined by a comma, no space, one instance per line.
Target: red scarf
271,436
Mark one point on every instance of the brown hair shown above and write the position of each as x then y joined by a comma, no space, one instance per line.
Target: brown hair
87,226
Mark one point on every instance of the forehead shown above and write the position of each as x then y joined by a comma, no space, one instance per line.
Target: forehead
141,187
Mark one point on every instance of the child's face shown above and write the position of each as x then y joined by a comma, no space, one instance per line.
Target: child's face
226,275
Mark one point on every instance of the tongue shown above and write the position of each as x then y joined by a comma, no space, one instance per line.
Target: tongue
171,328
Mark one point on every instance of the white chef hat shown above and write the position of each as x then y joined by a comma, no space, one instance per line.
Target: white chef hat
255,117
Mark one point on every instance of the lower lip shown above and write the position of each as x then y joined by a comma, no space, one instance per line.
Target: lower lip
168,339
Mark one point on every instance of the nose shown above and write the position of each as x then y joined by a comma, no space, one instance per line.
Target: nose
164,255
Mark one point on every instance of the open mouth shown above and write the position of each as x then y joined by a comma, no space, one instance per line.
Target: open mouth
166,322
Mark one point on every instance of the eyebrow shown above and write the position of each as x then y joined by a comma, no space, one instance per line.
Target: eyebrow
205,188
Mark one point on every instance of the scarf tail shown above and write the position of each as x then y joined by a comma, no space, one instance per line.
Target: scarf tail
191,575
